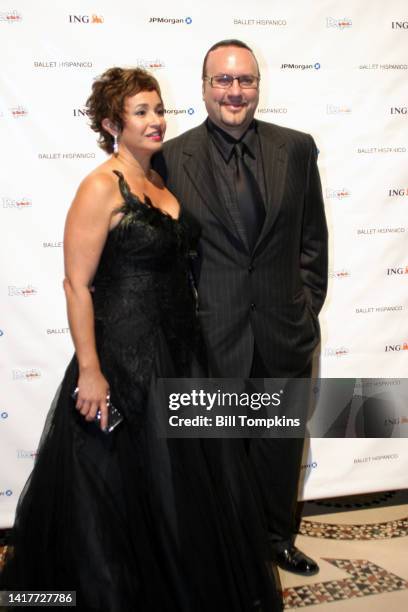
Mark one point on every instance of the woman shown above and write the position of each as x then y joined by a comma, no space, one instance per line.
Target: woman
128,519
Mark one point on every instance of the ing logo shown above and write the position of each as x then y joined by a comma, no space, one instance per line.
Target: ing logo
85,18
391,348
397,271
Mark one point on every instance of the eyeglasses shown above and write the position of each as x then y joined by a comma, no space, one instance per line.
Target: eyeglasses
225,81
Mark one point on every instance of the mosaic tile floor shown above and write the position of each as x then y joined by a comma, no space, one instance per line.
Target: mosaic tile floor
365,578
362,551
375,531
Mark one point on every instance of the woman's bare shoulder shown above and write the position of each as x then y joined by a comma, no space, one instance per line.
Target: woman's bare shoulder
101,182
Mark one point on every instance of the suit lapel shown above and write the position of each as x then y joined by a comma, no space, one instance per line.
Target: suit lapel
198,167
275,162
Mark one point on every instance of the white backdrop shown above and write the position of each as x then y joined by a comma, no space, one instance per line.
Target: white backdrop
336,70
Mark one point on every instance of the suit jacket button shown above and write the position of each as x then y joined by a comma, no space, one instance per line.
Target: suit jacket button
250,268
253,306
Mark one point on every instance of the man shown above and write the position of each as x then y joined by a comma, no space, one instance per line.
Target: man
254,188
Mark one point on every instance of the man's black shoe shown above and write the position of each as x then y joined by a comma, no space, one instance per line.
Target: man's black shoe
293,560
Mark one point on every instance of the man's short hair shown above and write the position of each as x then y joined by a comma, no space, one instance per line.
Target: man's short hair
229,42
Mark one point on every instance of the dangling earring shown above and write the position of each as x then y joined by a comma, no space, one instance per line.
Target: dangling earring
115,145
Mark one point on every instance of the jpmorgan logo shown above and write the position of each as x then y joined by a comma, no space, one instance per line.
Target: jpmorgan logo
171,20
85,18
309,466
180,111
315,66
3,415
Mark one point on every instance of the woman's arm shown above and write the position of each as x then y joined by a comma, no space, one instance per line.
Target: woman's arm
86,229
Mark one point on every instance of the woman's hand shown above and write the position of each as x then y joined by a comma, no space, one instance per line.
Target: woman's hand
93,391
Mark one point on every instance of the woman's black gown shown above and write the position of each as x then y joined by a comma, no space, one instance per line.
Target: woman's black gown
130,520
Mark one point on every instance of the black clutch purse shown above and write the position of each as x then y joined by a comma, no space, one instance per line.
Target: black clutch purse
114,416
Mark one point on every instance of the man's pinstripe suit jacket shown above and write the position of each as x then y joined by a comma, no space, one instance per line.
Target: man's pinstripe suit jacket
271,296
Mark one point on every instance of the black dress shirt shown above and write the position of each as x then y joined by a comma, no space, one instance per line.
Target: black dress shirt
221,147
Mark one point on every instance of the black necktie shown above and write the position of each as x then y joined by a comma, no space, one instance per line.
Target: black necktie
249,197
